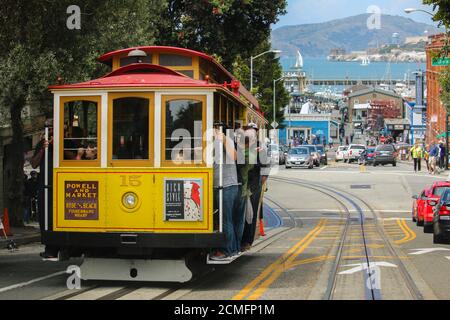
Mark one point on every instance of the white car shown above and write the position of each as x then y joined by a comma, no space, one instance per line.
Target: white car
341,153
354,152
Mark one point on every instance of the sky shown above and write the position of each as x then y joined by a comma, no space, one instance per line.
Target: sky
314,11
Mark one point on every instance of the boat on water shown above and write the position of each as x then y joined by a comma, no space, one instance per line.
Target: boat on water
365,61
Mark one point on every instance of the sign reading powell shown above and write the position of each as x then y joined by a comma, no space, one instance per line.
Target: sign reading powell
81,200
183,199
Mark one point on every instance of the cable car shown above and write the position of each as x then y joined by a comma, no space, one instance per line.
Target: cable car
132,188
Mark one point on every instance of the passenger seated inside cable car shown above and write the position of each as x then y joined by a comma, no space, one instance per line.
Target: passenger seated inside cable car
80,130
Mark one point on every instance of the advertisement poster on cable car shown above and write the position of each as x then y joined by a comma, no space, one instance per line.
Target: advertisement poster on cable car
183,199
81,200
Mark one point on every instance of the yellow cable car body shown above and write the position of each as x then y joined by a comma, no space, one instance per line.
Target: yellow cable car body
121,186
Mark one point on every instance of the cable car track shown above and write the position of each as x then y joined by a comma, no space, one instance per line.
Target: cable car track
349,197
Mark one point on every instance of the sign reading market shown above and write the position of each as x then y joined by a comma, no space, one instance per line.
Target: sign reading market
81,200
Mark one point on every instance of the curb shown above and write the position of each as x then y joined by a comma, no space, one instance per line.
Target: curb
22,240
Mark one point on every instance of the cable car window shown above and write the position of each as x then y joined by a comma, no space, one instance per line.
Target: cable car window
173,60
80,130
130,60
184,131
189,73
130,129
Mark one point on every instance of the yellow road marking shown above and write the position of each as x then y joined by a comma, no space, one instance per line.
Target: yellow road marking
308,261
409,234
362,169
280,261
277,272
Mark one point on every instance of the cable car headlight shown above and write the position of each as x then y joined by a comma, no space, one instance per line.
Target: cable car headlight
130,200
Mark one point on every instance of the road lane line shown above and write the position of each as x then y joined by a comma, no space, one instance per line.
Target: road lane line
409,234
324,168
24,284
309,261
249,287
282,267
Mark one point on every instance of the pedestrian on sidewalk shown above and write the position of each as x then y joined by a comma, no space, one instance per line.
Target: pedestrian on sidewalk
442,153
434,152
417,154
426,157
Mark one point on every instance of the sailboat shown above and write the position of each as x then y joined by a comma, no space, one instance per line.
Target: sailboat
365,61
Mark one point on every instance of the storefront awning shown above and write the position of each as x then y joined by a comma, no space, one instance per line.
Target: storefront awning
442,135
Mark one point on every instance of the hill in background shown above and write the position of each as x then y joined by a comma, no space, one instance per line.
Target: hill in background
352,34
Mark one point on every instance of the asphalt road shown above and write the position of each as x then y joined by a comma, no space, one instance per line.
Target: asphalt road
342,232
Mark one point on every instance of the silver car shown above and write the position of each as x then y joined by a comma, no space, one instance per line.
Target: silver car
276,154
299,158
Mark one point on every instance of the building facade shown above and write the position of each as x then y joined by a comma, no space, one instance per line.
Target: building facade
436,111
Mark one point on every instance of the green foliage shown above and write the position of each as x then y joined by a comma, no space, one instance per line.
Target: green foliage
443,17
227,28
443,11
36,46
266,69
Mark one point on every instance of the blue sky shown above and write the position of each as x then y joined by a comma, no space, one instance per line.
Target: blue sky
312,11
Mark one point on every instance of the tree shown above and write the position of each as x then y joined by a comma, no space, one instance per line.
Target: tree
266,69
443,11
36,47
227,29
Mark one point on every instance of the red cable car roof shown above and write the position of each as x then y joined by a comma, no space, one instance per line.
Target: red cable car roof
107,58
139,75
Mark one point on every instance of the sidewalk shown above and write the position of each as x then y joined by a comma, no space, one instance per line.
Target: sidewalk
443,173
22,236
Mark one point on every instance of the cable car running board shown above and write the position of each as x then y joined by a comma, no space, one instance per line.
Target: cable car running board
136,270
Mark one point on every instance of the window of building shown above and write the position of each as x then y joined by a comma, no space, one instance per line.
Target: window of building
173,60
80,121
183,130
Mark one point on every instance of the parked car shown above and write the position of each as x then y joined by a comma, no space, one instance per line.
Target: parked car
299,157
385,154
425,218
276,154
418,209
341,153
441,218
323,155
354,152
314,153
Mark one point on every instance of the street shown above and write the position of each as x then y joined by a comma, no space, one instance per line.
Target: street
345,233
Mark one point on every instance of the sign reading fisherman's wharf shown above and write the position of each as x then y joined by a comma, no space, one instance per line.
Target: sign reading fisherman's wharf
81,200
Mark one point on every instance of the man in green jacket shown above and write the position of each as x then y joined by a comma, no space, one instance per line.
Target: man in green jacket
417,154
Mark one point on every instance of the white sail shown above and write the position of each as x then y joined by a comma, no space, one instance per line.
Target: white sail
299,61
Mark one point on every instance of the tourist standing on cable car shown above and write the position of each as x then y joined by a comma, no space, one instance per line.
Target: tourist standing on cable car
38,160
230,189
257,183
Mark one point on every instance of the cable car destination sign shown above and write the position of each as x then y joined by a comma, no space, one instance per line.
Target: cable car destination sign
81,200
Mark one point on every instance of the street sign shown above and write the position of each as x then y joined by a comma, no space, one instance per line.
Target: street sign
441,62
275,124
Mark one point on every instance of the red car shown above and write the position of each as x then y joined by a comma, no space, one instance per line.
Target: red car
424,215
